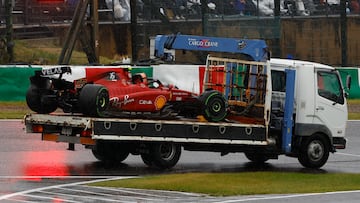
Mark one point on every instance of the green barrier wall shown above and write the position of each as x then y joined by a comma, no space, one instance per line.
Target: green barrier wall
14,82
354,92
147,70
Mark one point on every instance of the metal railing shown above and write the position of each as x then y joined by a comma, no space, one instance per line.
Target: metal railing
114,11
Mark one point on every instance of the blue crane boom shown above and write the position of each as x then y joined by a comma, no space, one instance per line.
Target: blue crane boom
256,49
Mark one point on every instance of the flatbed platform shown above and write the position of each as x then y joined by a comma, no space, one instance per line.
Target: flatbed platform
179,130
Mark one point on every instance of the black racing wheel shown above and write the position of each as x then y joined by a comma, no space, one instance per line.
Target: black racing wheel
93,100
41,100
214,105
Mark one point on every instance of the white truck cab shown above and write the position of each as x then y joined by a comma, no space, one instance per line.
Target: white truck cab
320,101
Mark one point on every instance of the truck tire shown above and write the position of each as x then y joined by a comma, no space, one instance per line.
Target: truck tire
93,100
314,151
214,105
164,155
41,100
147,159
110,152
256,157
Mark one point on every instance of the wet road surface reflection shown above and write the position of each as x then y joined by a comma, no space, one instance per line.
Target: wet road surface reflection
28,163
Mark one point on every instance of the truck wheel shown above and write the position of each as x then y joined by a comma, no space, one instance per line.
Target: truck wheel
41,100
214,105
314,152
93,100
256,157
147,159
110,152
165,155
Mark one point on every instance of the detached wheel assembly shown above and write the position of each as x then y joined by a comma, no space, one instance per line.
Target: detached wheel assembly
93,100
214,105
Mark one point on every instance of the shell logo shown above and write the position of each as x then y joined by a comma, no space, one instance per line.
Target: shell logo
160,102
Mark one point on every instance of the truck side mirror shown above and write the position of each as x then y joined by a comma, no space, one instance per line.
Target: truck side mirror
348,82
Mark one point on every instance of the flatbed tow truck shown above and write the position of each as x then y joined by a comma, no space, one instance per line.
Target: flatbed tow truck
275,107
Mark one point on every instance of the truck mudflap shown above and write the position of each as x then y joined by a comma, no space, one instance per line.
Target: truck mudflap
179,131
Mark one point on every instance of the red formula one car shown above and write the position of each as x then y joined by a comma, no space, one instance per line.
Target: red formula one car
114,92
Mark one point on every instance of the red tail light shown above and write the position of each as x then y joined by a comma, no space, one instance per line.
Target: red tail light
37,128
86,133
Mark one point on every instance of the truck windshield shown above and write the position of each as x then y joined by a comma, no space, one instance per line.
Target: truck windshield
329,86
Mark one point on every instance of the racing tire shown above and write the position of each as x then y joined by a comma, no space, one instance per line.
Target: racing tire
165,155
214,105
93,100
110,152
314,151
41,100
256,157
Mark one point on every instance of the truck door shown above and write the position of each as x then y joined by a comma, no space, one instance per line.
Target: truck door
330,106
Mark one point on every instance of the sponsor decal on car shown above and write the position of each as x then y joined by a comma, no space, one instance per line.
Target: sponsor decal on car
117,102
145,102
51,71
160,101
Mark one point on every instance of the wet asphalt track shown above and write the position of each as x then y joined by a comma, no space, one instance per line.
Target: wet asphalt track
36,171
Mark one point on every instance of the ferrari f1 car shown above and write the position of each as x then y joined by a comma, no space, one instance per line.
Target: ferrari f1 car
115,92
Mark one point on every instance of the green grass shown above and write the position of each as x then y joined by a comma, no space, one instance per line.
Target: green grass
13,110
17,110
354,101
247,183
354,116
354,109
47,52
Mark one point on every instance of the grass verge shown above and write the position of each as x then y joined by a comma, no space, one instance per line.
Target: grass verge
354,109
13,110
247,183
16,110
354,116
47,52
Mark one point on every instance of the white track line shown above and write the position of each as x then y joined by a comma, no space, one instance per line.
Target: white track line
347,154
49,198
287,196
60,195
102,194
141,191
58,177
59,186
